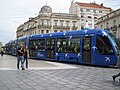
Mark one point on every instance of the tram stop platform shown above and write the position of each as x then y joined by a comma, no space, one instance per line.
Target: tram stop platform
49,75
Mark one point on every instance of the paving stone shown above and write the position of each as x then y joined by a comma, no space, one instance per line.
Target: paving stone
45,84
38,87
65,88
15,89
58,85
31,83
52,88
25,86
3,88
80,78
11,85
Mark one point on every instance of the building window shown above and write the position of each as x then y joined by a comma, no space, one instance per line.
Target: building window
101,26
88,10
114,22
47,31
42,31
42,22
55,21
95,17
61,23
81,10
107,25
55,30
39,31
82,27
35,32
48,22
82,16
74,23
100,11
94,11
67,23
89,17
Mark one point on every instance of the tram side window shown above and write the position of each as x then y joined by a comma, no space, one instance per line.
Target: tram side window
73,45
50,44
41,45
20,42
32,45
86,44
104,46
61,45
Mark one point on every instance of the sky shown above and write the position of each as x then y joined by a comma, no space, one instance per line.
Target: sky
16,12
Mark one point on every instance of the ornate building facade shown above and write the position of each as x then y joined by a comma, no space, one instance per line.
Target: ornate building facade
89,12
48,22
111,22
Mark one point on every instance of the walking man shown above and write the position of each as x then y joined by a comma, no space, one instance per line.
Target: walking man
20,52
117,75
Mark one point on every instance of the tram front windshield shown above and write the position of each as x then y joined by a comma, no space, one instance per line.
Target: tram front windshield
114,42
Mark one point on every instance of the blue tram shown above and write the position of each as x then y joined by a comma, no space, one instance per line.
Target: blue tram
8,48
11,47
22,40
88,46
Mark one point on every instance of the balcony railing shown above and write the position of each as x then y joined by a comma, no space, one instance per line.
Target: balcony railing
107,28
61,27
74,27
114,27
44,26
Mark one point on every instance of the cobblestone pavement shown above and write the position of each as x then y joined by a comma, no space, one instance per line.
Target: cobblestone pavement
44,75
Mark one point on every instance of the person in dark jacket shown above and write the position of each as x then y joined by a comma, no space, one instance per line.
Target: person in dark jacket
20,52
26,56
2,53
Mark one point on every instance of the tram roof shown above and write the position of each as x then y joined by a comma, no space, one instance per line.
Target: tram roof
21,38
56,34
72,32
84,31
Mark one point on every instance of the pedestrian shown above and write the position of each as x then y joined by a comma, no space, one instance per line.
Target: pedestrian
26,56
2,53
20,52
117,75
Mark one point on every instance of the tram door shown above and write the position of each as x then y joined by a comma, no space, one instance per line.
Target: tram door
32,48
50,48
86,49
